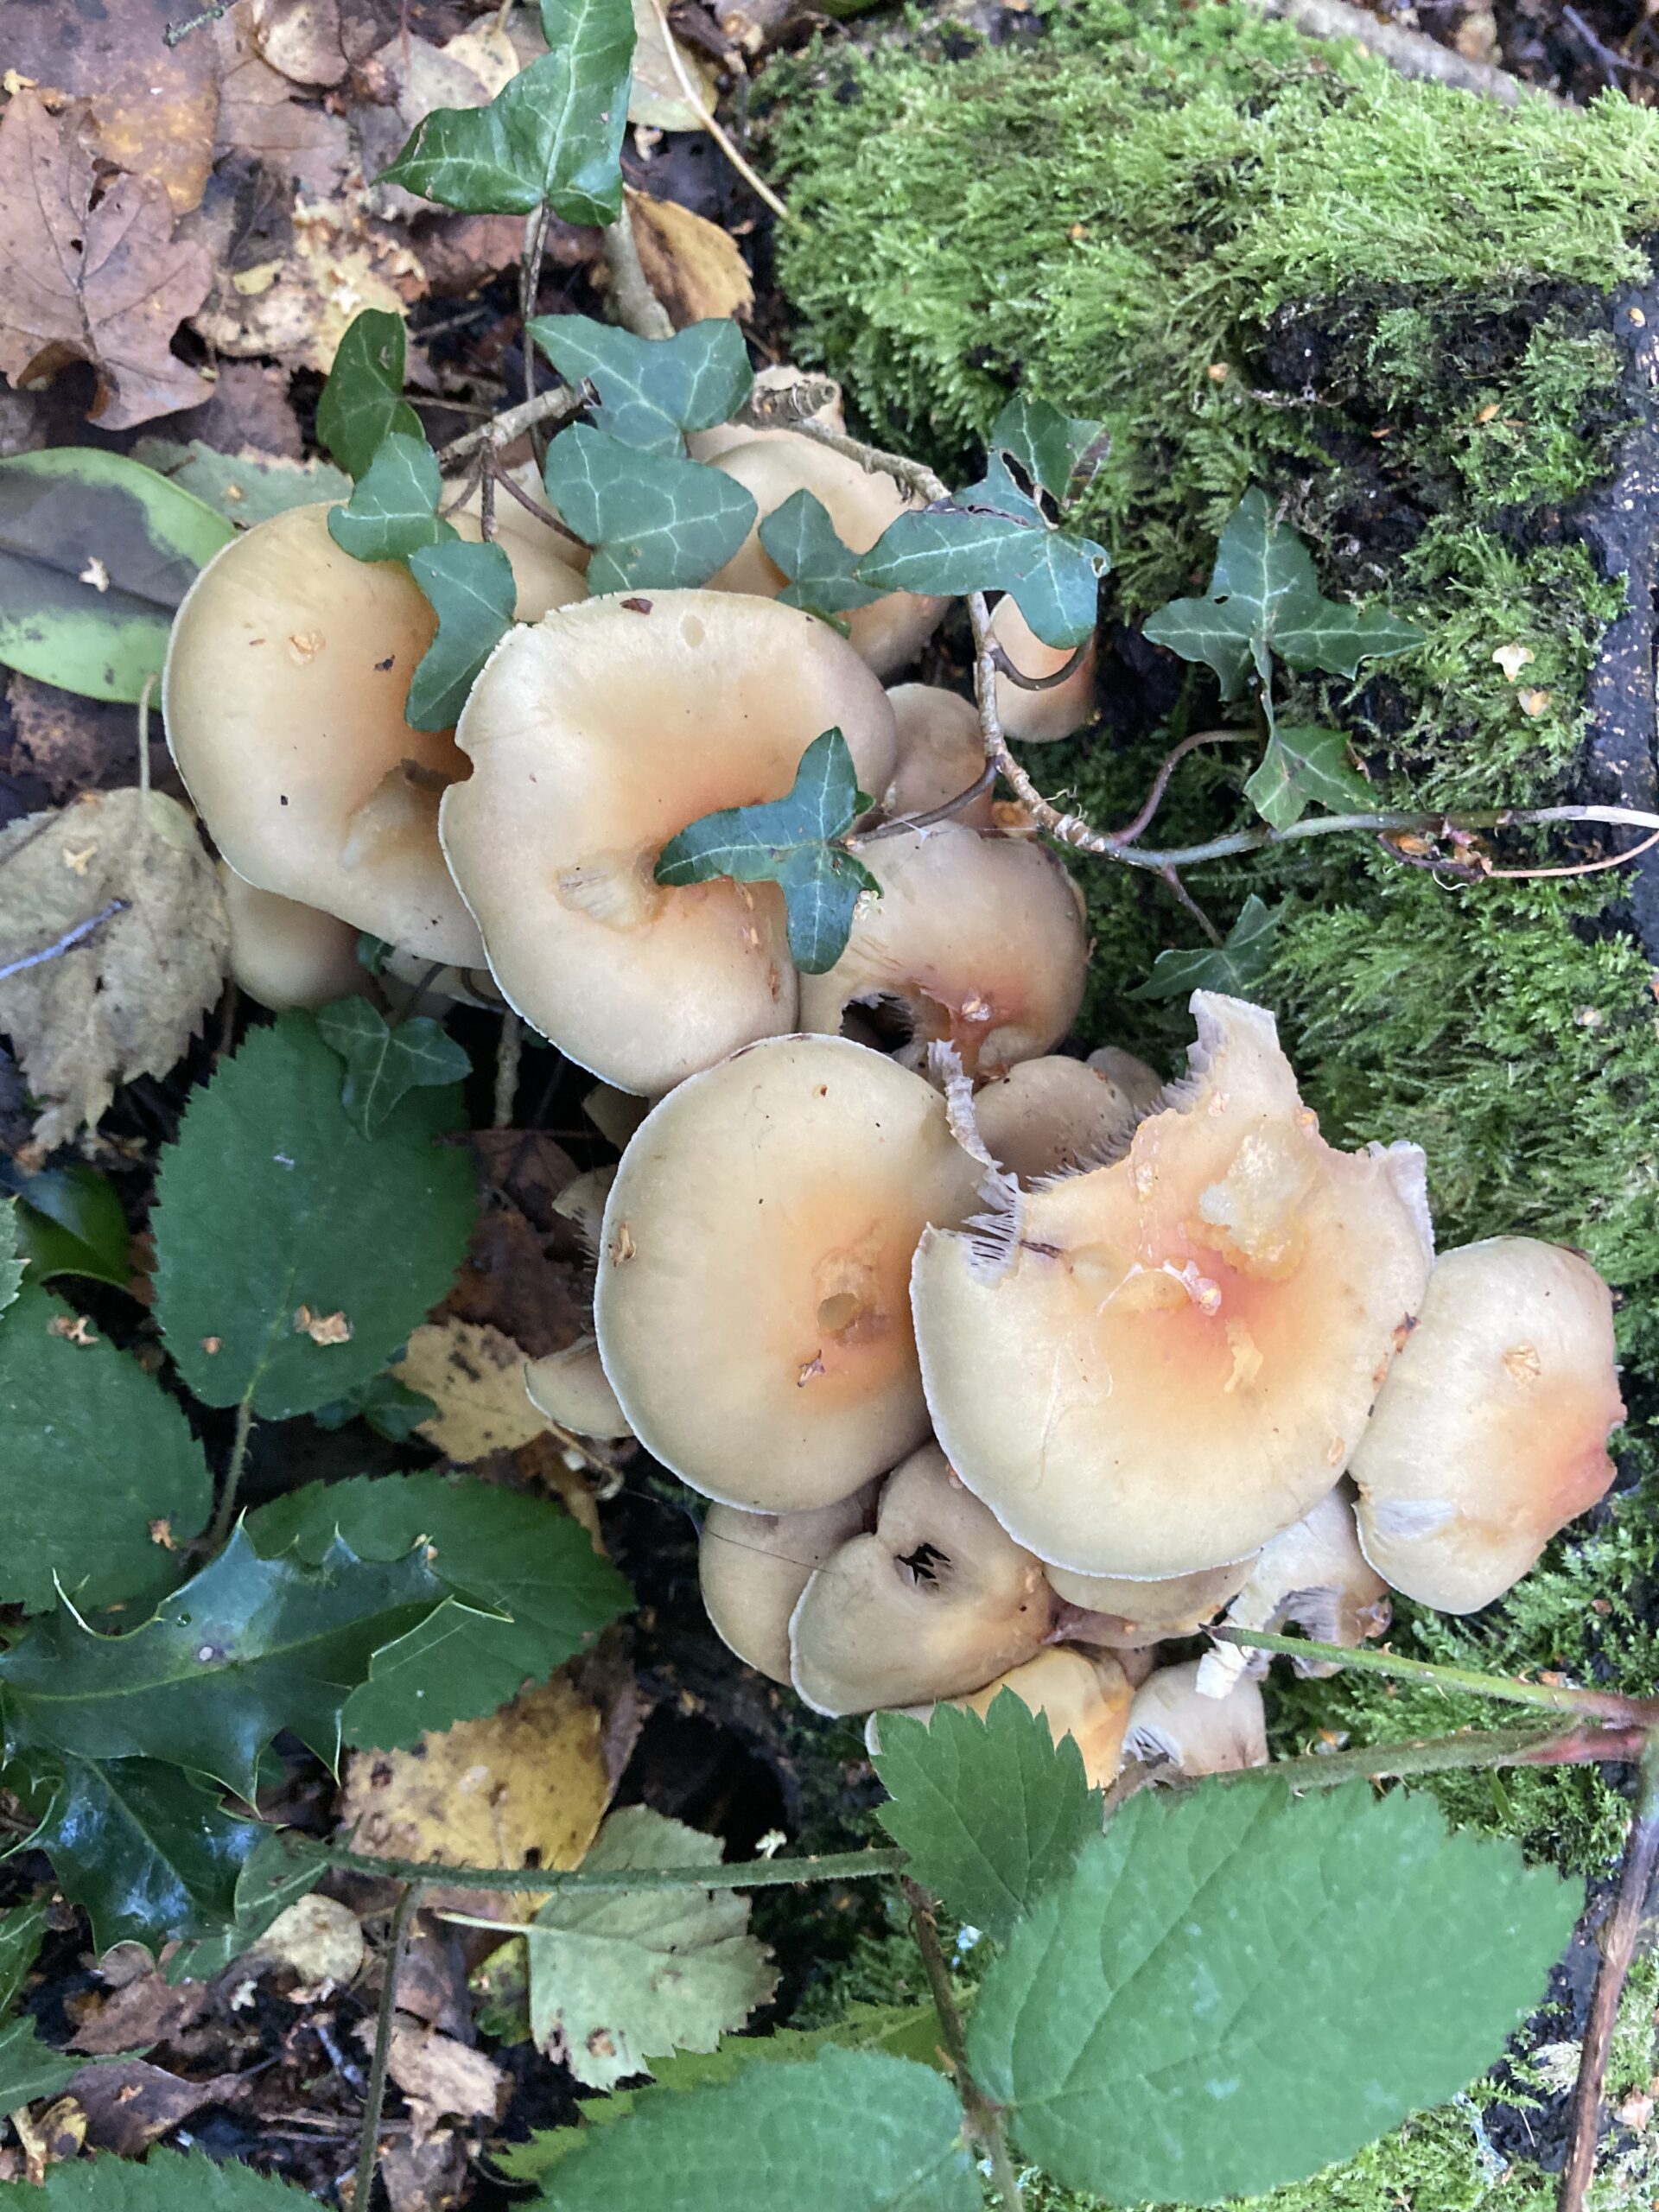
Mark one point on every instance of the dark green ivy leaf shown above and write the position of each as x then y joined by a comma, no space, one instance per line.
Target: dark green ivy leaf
1305,766
269,1879
1052,447
385,1062
394,510
801,538
656,523
652,389
472,594
362,403
790,843
1234,968
70,1223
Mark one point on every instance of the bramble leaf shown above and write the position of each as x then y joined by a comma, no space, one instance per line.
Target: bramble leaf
383,1064
70,1223
1050,446
394,509
650,390
473,593
990,1811
1232,1991
1305,766
362,404
1234,968
11,1268
164,2182
801,538
391,1408
656,522
790,843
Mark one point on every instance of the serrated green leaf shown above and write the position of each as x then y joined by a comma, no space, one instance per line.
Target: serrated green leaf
990,1811
269,1879
57,509
391,1408
1234,967
850,2131
246,487
801,538
28,2068
71,1223
247,1648
1232,1991
96,1452
650,390
525,1591
472,594
21,1927
1047,444
166,2180
1305,767
11,1268
394,510
656,523
362,403
383,1064
272,1203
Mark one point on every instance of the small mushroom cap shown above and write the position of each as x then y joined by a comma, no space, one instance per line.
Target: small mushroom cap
1173,1719
435,983
1053,1116
548,569
570,1388
1172,1358
285,955
1142,1086
754,1566
1129,1615
709,445
977,942
751,1303
595,737
892,630
582,1201
1081,1695
1036,717
284,692
935,1603
615,1114
941,753
1313,1575
1490,1433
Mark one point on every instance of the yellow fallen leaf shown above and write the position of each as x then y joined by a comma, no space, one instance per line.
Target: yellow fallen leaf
695,268
476,1376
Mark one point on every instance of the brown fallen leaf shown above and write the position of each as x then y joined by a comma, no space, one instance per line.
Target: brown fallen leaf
426,2177
69,743
130,2104
259,116
143,2012
695,268
301,38
58,2133
297,307
656,96
128,998
476,1376
108,285
439,2077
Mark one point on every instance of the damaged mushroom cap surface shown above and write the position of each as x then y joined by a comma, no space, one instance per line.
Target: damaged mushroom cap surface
751,1304
1130,1614
752,1568
1038,717
283,954
941,754
1051,1116
1142,1086
935,1603
570,1387
1173,1719
1490,1433
284,692
1152,1368
596,736
1313,1576
977,942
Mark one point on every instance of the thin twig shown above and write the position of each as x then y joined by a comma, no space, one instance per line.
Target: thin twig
504,477
693,100
1184,897
1461,1681
67,941
636,305
486,505
501,429
1154,798
747,1874
1582,867
143,733
977,789
507,1054
226,1512
1588,1743
176,33
984,2117
529,285
1067,668
374,2099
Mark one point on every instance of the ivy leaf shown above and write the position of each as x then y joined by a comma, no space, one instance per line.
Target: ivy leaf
245,1648
71,1223
990,1811
383,1064
362,404
166,2180
1232,1991
652,389
1052,447
11,1268
100,1464
789,842
1305,766
472,594
525,1591
294,1254
656,523
850,2131
394,509
801,538
1234,968
391,1408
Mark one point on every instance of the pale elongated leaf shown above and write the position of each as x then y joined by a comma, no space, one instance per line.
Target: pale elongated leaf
394,510
650,390
1229,1992
1303,767
362,402
164,2183
1235,967
383,1064
801,538
656,522
472,591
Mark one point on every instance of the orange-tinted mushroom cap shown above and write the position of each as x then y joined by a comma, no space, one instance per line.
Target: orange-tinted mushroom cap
1125,1615
1173,1719
1081,1694
1313,1575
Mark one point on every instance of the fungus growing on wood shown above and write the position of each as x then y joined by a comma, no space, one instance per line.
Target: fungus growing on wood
1037,717
283,954
1128,1616
752,1568
941,754
1053,1116
1173,1719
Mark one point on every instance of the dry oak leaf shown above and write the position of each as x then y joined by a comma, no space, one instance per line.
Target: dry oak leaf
106,283
695,268
128,998
301,38
299,308
438,2076
476,1376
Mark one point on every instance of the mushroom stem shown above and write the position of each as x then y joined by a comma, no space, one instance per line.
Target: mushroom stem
984,2118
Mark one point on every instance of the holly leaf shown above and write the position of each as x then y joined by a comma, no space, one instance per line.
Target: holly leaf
70,1223
21,1927
293,1254
1233,1990
652,389
269,1879
391,1408
28,2067
990,1811
1050,446
362,404
790,843
166,2180
394,510
656,523
1234,967
526,1591
11,1268
472,594
801,538
1303,767
385,1062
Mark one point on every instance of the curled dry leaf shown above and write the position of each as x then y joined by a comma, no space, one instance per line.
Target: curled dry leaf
127,999
260,117
695,268
106,283
476,1376
319,1937
656,96
439,2077
301,38
298,309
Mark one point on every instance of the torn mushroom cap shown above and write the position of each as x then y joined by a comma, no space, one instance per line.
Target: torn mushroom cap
751,1304
1491,1431
941,753
571,1389
977,942
709,445
1152,1368
891,631
1080,1695
1315,1576
1172,1719
754,1566
1126,1615
582,1201
596,736
1053,1116
286,676
935,1603
285,955
1035,717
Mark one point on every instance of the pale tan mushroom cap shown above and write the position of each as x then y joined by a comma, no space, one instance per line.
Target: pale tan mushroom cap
752,1568
285,955
549,570
751,1304
977,942
571,1389
941,753
1037,717
1128,1615
1178,1356
286,676
1491,1431
615,1114
892,630
1142,1086
1173,1719
1080,1695
1053,1116
1313,1575
596,736
935,1603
